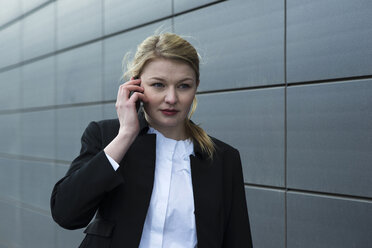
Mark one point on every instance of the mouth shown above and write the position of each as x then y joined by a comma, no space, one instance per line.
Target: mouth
169,112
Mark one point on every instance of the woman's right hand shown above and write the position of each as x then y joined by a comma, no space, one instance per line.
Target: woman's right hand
128,118
126,107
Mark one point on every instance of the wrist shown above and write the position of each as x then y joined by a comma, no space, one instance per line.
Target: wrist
123,135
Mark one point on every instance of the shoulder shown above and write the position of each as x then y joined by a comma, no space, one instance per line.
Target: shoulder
105,130
221,145
107,124
103,126
224,149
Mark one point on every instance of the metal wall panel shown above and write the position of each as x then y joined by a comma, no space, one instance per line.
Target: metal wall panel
38,134
79,74
329,137
71,123
241,42
109,111
10,49
253,122
78,21
9,179
10,225
28,5
184,5
32,237
329,222
267,216
10,127
35,189
38,32
120,15
9,10
114,50
38,83
10,96
328,39
68,238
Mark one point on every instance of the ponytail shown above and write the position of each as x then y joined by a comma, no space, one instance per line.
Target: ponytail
198,135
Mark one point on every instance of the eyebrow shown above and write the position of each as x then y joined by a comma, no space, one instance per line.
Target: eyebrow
163,79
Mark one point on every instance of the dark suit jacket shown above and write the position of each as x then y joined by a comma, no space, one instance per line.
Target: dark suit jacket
120,199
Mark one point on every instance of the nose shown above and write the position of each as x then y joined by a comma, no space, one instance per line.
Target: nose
171,96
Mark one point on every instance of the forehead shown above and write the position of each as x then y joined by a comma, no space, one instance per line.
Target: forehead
168,69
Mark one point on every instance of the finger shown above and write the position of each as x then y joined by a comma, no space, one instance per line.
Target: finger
133,81
124,91
139,96
127,88
134,97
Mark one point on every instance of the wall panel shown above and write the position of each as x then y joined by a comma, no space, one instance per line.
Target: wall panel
10,97
184,5
266,211
32,237
78,21
38,83
38,134
10,233
10,175
79,74
36,190
71,123
121,15
39,32
10,49
10,127
28,5
324,221
68,238
253,122
9,10
328,39
329,137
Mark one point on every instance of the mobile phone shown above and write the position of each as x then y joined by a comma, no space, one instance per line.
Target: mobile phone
138,102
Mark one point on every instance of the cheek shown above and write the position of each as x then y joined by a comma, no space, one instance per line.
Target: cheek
188,101
151,97
153,101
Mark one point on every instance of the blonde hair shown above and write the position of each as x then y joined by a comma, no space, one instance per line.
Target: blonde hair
172,46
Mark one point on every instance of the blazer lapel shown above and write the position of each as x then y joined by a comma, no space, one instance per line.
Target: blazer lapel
207,183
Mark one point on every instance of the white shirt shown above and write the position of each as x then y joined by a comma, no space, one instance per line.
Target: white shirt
170,219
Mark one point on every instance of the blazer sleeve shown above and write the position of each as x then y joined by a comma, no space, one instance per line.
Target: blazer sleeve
76,197
238,232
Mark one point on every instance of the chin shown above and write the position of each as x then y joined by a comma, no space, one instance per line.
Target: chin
162,121
169,123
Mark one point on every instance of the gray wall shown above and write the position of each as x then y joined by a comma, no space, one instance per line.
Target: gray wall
289,83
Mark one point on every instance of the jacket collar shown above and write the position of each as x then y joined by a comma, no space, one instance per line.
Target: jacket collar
144,127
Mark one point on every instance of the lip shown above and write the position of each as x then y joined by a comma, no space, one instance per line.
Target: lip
169,112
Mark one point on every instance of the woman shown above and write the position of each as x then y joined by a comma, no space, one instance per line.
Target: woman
154,178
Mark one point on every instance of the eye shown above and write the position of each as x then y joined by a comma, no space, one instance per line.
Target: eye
157,85
184,86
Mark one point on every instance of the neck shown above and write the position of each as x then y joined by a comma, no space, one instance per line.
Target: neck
176,132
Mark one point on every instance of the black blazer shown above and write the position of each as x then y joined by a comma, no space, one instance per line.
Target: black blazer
120,199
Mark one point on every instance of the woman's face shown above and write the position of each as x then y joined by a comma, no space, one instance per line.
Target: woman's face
170,87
